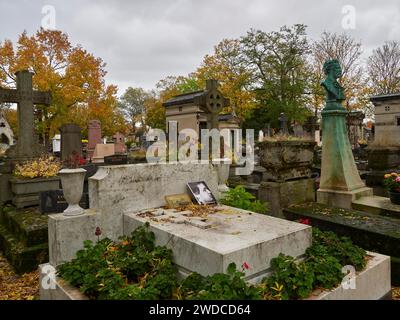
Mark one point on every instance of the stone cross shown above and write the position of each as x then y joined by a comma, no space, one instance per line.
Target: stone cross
213,102
283,124
25,97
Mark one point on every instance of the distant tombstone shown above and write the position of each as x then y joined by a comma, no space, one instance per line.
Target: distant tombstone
54,202
298,130
212,102
57,143
310,127
283,124
94,137
354,121
119,142
101,151
116,159
71,140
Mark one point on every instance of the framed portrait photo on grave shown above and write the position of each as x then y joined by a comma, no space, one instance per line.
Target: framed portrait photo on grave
201,193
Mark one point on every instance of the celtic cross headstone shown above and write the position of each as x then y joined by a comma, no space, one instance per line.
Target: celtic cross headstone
27,145
213,102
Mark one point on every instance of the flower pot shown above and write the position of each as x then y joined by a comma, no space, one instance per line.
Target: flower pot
394,197
72,183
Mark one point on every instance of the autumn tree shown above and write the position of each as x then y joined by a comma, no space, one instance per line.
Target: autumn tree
348,51
278,63
133,105
384,68
166,89
227,66
74,77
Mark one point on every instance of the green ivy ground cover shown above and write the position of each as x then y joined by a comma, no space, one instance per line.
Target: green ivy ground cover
134,268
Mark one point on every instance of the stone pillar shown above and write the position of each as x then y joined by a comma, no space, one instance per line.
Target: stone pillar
340,182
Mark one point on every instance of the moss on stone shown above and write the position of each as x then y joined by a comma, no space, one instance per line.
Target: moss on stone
23,237
371,232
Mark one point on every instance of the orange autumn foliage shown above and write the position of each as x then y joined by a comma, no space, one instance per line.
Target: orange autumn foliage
74,77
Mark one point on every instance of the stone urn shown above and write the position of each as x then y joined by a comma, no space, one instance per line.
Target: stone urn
72,181
222,166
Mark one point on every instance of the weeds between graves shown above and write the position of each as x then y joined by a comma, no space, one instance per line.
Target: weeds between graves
134,268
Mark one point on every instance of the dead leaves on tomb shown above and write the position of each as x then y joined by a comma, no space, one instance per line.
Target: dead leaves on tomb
15,287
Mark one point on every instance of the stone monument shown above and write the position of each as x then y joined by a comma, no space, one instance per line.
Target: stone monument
27,146
212,102
71,140
340,181
94,137
119,143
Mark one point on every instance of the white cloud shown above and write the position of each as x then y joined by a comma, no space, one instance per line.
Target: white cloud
144,41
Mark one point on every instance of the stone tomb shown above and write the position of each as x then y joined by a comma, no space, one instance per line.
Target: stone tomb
208,245
121,198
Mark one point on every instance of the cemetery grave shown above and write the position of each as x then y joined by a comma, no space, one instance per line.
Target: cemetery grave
111,203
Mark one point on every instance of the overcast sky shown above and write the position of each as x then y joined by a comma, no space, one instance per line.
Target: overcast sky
143,41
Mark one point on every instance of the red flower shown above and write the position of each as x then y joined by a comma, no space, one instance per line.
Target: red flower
245,265
98,231
304,221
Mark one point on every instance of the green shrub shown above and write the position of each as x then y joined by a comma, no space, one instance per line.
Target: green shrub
238,197
295,278
220,286
134,268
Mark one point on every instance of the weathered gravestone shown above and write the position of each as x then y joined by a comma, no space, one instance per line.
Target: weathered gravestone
27,146
212,102
71,140
119,142
283,120
94,137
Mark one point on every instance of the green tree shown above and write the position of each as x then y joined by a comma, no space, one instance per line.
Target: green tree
227,66
133,105
278,62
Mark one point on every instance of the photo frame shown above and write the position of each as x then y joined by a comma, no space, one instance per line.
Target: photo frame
201,193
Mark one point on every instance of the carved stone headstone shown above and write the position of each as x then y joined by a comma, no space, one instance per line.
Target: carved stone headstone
71,140
119,142
94,137
27,145
212,102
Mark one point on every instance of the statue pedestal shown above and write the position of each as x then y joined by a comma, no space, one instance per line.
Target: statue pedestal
340,182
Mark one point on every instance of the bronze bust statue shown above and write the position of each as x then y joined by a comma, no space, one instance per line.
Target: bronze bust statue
334,91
